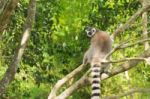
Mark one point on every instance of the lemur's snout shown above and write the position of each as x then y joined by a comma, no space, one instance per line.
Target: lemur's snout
89,33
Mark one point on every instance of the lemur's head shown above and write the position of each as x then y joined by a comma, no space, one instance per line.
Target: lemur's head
90,31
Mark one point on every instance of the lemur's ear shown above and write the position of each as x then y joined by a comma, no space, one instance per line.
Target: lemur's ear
86,28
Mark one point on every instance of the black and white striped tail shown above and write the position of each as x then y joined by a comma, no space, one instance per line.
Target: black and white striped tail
96,82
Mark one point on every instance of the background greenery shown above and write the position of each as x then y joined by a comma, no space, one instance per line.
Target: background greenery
58,42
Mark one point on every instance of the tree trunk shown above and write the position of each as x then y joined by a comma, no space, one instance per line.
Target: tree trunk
7,9
10,73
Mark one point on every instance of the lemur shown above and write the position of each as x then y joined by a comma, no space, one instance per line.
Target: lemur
101,44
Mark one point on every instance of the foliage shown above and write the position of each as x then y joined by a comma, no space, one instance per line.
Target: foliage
58,42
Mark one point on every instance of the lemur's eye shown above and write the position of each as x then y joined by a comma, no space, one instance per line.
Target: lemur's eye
93,30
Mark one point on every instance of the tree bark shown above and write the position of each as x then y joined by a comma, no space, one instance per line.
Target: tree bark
128,65
2,5
84,81
131,91
144,23
61,82
6,13
130,21
10,73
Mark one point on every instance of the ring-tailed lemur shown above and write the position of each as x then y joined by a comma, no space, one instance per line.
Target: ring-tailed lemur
101,44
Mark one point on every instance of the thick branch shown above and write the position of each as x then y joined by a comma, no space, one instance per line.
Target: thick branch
75,86
10,73
124,67
128,65
64,80
6,14
130,21
120,29
132,91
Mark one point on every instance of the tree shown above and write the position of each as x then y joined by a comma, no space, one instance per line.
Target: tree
122,68
10,73
50,62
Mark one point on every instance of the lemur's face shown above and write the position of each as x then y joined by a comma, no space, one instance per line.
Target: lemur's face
90,31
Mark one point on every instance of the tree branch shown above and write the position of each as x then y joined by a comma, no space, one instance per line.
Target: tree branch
132,91
130,21
55,89
5,15
125,59
145,22
124,45
129,45
75,86
128,65
2,5
124,67
10,73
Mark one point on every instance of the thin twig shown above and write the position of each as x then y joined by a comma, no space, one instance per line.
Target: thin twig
130,21
125,59
129,45
131,91
124,45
